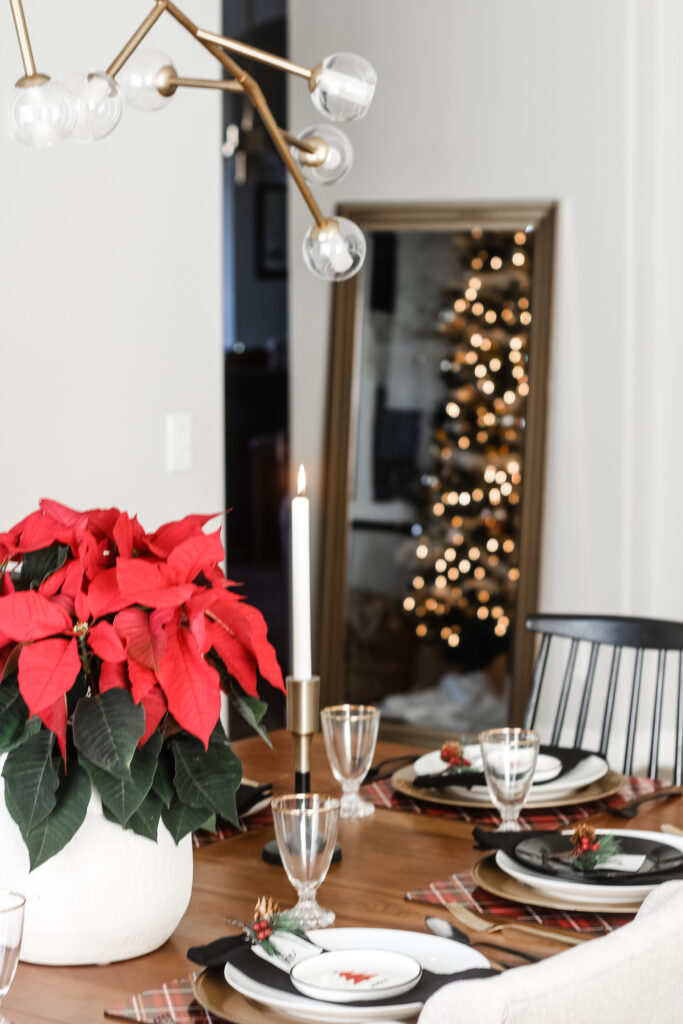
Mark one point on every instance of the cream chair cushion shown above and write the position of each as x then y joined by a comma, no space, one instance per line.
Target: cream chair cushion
632,976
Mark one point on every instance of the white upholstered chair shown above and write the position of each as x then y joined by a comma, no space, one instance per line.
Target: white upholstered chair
633,975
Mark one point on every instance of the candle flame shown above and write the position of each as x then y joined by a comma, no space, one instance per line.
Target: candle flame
302,479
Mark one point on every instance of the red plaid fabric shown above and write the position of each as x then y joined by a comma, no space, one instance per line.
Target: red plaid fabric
382,795
173,1003
461,889
251,822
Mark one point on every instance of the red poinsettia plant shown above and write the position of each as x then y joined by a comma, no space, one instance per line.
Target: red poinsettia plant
115,645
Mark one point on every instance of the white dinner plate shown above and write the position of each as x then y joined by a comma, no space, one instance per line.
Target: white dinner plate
442,956
583,774
347,975
582,892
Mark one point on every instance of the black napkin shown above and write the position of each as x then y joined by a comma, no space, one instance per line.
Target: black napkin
235,950
507,842
568,756
247,796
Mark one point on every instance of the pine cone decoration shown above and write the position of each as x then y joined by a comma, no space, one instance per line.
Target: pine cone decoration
584,838
265,907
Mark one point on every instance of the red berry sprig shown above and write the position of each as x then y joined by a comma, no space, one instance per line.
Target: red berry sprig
451,753
262,929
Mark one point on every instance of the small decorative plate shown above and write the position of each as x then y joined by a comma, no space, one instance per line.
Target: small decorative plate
346,976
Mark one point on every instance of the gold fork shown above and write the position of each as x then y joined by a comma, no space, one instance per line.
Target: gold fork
477,924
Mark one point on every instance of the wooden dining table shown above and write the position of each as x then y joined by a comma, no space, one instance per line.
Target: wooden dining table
383,857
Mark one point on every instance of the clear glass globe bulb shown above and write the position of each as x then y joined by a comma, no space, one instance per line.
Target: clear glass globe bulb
39,115
338,159
342,86
138,80
334,251
97,104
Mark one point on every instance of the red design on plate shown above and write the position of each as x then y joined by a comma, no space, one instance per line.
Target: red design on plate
355,977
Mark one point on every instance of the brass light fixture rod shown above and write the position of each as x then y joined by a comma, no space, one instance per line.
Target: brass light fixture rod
23,37
251,51
167,83
135,40
253,91
292,140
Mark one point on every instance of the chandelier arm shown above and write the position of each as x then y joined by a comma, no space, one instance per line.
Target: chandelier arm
175,82
293,140
253,91
271,59
23,37
137,37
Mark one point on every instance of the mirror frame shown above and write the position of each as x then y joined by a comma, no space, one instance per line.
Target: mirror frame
342,417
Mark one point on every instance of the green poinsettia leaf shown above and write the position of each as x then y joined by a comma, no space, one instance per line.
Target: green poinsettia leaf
61,825
252,711
163,777
36,566
121,797
31,728
79,690
145,821
31,780
12,808
14,717
180,819
106,729
207,778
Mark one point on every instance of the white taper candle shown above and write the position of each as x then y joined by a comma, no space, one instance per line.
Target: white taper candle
301,583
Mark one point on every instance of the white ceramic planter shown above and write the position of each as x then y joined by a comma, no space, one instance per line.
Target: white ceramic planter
108,895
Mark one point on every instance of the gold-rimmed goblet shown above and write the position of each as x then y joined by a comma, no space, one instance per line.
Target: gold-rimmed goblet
350,732
306,830
509,756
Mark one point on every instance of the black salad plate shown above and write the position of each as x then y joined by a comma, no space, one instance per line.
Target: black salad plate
540,853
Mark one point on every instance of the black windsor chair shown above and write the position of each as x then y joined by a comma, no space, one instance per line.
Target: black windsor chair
615,633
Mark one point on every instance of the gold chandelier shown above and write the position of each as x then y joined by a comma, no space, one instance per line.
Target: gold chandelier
89,106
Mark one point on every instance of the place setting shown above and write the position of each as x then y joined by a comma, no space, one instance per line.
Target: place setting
581,869
454,776
291,964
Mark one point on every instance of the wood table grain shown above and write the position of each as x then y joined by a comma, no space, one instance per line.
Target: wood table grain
383,857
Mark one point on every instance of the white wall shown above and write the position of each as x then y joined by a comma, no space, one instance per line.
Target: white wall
110,285
578,102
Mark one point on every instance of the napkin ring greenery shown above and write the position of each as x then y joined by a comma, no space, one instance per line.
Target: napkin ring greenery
589,850
269,920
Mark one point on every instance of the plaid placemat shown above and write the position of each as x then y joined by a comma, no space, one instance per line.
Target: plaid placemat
173,1003
251,822
382,795
461,889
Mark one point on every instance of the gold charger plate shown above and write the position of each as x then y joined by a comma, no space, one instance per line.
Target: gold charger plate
489,876
402,780
215,995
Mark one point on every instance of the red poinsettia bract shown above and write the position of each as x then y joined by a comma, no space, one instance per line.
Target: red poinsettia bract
150,612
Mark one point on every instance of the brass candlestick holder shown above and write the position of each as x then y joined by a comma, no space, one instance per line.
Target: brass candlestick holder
303,717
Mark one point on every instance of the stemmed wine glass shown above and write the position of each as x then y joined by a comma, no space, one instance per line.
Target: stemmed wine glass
350,732
11,928
306,830
509,757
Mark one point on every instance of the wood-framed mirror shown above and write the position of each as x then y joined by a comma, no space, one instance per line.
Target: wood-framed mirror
434,461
